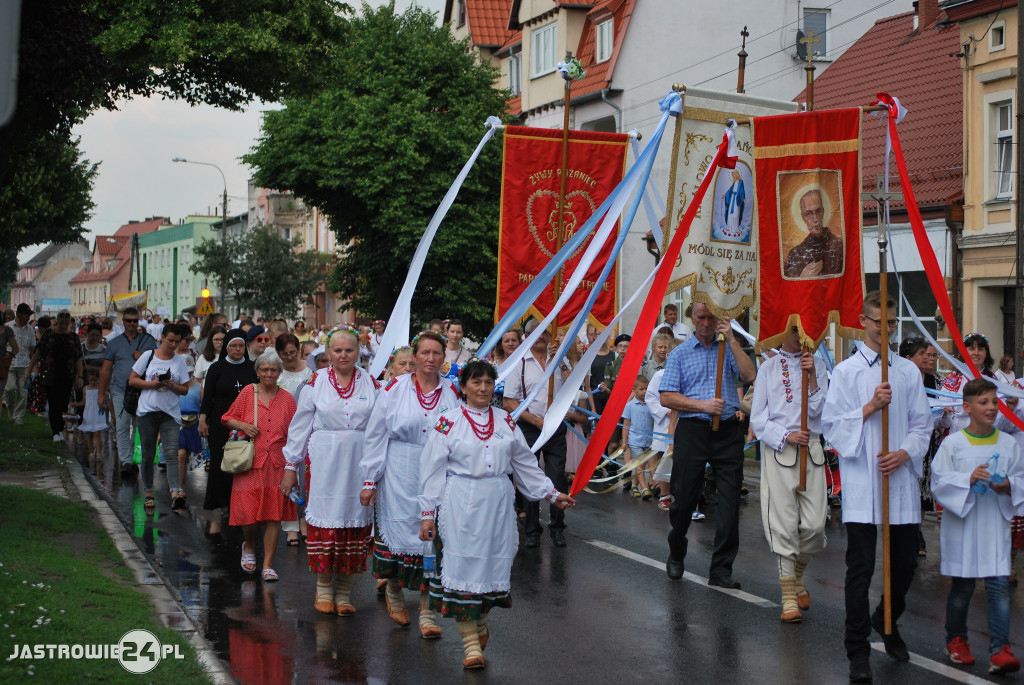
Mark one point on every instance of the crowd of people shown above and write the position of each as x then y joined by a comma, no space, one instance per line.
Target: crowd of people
414,475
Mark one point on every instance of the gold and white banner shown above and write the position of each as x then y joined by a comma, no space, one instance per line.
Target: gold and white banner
719,259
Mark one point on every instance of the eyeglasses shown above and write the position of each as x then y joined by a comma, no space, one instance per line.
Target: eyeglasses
289,355
271,371
878,322
261,338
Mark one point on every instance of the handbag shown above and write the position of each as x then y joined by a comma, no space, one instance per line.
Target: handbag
238,454
132,394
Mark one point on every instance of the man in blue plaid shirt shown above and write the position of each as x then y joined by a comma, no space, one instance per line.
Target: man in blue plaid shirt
688,386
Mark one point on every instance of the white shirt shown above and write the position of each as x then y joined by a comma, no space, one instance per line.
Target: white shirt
681,330
529,372
661,414
776,406
858,441
156,329
162,399
975,533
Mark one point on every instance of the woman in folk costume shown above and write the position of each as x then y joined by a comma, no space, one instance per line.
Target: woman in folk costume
405,414
464,482
954,418
333,410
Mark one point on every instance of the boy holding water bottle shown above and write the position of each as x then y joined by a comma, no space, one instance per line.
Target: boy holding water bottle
978,478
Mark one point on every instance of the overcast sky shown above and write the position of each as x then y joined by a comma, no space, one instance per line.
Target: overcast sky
135,146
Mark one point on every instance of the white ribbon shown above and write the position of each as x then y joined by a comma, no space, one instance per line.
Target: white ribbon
730,134
566,396
396,334
655,208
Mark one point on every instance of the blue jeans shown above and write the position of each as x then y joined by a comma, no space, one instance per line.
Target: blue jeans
998,590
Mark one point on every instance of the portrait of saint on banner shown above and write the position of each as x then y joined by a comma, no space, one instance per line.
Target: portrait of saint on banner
732,213
811,224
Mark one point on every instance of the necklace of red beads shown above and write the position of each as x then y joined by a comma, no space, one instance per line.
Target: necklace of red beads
482,431
346,392
427,400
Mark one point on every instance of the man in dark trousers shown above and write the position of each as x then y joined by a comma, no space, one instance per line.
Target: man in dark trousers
688,386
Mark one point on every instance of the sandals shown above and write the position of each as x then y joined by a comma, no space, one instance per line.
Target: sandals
249,562
293,542
269,574
178,502
150,503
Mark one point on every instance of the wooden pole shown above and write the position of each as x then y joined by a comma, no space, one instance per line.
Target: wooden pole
718,378
883,290
806,380
559,238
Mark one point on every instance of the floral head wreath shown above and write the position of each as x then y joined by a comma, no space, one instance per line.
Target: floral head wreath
391,357
379,321
969,336
430,335
343,327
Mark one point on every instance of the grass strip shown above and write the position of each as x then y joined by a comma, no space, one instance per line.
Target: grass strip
62,581
29,446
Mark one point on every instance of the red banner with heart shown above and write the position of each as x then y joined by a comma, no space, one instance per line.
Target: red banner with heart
530,181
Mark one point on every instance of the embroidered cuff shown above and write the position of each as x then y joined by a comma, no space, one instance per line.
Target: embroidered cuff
369,485
814,392
782,443
291,467
427,515
552,496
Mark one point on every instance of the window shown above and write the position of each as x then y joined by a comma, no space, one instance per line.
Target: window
605,34
515,65
542,42
460,19
1004,149
816,20
997,37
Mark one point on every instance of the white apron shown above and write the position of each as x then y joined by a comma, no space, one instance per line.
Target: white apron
477,524
398,513
334,480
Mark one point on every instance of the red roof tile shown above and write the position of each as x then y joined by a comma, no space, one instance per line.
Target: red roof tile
921,69
105,247
147,226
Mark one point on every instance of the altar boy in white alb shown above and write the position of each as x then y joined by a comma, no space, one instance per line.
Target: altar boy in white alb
978,478
852,423
794,521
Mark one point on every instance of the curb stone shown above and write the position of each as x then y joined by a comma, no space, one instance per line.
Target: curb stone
149,582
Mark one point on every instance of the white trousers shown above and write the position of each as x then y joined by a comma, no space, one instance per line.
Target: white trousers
794,522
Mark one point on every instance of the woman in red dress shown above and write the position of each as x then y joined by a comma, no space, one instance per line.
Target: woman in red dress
256,497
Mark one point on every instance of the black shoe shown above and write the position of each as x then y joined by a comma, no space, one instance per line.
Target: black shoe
674,569
724,581
163,465
558,537
894,644
178,503
533,540
860,671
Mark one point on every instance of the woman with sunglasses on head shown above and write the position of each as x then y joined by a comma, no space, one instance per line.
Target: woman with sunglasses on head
293,375
402,419
210,353
464,483
224,380
334,408
955,418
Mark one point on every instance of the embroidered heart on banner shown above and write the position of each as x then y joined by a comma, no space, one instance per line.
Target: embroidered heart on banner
542,208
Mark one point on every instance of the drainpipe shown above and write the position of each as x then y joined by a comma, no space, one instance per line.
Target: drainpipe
618,110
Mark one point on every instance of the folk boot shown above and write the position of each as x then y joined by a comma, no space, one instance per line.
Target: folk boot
395,602
790,610
803,597
342,592
428,619
471,643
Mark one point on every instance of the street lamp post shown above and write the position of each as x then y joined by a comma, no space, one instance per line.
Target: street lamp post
223,213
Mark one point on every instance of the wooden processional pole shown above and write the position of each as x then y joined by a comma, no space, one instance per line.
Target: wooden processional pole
559,237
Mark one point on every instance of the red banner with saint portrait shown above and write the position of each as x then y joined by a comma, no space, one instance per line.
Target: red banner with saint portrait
531,175
807,178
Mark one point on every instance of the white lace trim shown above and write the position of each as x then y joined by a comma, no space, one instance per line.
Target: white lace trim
473,588
351,523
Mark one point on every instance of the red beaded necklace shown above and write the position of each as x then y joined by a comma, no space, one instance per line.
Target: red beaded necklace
346,392
485,431
425,402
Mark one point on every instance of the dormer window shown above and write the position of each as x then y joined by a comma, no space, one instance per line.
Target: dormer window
605,34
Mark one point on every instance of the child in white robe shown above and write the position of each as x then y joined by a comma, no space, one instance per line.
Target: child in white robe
976,524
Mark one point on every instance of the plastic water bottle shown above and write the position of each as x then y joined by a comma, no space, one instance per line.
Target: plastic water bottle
980,487
997,475
429,560
296,497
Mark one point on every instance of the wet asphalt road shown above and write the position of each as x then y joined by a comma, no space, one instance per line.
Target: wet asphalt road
600,610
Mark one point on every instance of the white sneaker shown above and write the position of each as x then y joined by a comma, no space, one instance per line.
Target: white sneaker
58,438
697,516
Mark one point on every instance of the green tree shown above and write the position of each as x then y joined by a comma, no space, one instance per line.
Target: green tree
76,57
263,270
378,148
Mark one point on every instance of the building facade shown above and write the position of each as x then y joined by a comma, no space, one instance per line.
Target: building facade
988,57
43,281
166,255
